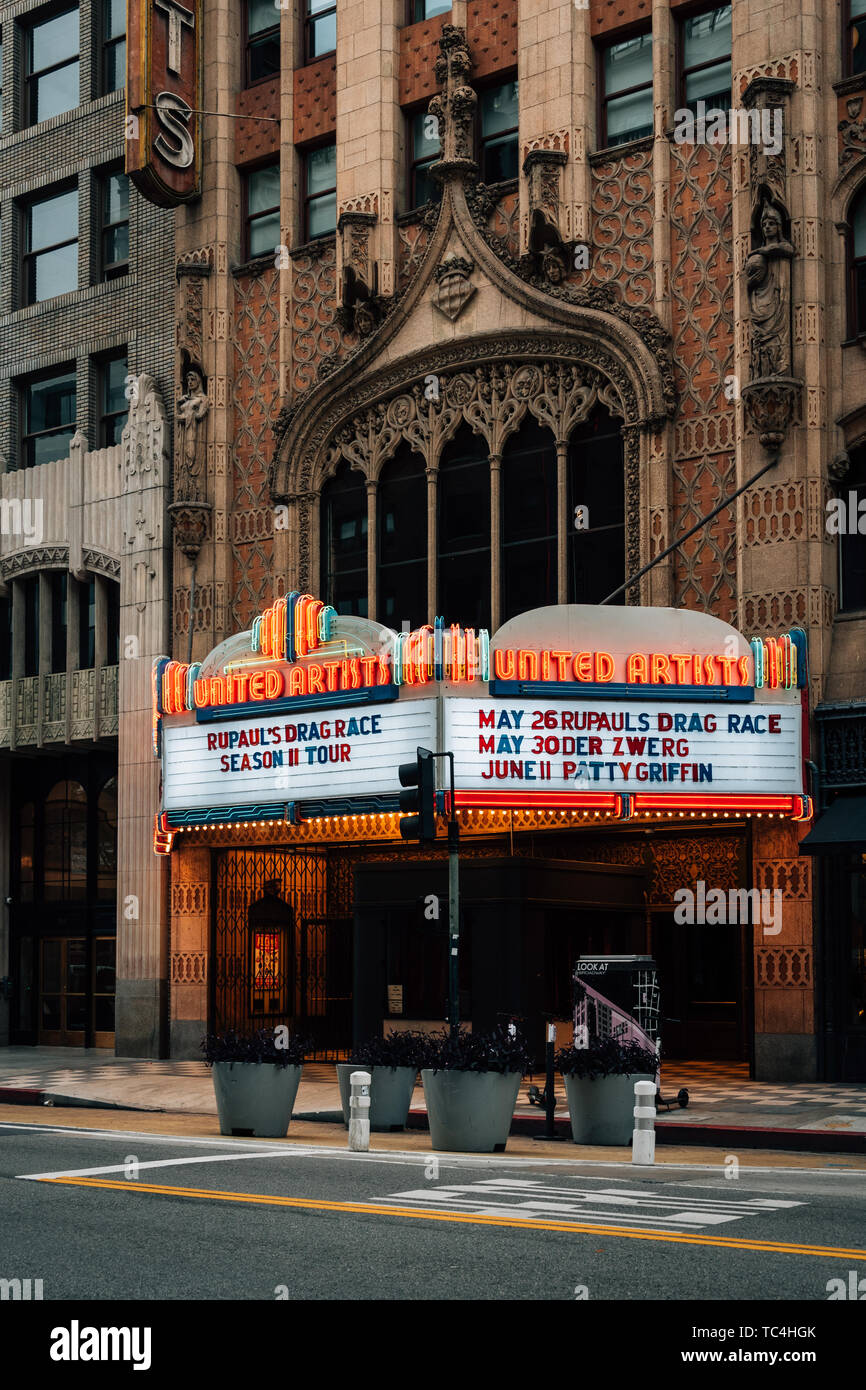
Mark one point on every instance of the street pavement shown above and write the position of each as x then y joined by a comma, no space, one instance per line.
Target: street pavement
101,1213
721,1095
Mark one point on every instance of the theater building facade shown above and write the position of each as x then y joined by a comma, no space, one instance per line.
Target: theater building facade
472,326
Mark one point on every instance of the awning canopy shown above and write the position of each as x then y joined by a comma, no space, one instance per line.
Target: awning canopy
840,829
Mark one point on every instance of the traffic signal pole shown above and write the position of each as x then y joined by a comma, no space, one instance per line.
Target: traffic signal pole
453,911
419,798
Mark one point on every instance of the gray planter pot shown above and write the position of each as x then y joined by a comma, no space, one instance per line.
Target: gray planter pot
602,1110
255,1097
470,1111
390,1093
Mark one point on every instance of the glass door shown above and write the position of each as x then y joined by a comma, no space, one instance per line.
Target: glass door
104,953
62,991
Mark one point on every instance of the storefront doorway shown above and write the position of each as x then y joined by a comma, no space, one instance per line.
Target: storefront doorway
282,945
65,1000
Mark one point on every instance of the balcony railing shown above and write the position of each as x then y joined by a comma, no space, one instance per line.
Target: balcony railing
70,707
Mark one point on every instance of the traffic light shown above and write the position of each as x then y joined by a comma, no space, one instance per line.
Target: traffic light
420,798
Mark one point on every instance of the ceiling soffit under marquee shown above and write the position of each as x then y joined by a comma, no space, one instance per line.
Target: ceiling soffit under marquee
581,329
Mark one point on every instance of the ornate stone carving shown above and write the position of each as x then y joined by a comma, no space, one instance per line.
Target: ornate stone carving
454,289
543,169
768,282
191,446
852,132
454,106
190,525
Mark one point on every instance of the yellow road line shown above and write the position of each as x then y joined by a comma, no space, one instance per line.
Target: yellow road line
772,1247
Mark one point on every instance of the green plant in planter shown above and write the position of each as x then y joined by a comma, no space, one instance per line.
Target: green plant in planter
496,1051
606,1057
396,1049
266,1045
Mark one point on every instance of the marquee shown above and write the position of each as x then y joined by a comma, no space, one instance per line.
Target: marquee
621,712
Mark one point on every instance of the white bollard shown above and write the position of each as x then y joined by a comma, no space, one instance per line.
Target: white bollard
359,1111
643,1139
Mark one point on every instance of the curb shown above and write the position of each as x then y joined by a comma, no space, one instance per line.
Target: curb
17,1095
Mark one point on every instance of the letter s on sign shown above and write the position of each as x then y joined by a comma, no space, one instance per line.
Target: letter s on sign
173,115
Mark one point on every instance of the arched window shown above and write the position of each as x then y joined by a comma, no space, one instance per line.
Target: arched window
401,587
106,842
66,843
344,542
528,493
596,556
857,266
463,569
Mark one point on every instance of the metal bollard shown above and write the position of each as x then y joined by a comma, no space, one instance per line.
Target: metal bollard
359,1111
643,1140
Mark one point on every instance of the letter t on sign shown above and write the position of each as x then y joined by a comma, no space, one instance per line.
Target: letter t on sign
178,15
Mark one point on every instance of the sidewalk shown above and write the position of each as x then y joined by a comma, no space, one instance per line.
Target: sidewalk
725,1107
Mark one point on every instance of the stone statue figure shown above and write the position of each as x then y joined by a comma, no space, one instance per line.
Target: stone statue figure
768,283
191,410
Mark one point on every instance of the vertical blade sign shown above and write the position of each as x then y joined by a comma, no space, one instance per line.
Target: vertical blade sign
163,95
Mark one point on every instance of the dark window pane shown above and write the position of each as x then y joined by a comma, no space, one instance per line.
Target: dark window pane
114,67
115,385
66,842
54,40
264,58
103,1013
54,272
26,851
628,64
106,844
261,15
322,215
425,145
58,622
402,514
501,159
263,189
321,170
710,85
464,533
528,490
707,36
5,639
264,234
114,18
55,93
76,1012
52,966
630,118
499,109
426,9
323,35
852,545
52,403
116,198
52,220
31,625
344,543
596,557
858,47
87,625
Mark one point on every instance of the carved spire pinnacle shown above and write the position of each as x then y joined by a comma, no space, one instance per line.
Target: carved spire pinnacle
454,106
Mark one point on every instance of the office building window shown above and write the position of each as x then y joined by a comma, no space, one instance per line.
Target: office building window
262,195
263,40
705,57
113,45
1,81
113,402
51,246
424,150
499,143
427,9
114,213
855,36
49,416
51,49
627,90
321,28
857,268
320,192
